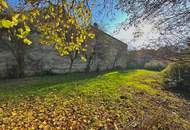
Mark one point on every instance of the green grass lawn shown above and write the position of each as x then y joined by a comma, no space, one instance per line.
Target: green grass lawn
133,99
106,83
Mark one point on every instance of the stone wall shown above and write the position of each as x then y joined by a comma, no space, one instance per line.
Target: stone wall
110,53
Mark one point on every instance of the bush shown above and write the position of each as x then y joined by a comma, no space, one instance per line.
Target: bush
135,65
154,65
179,74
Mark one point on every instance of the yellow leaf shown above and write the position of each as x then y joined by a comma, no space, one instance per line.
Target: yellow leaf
1,112
27,28
91,35
27,41
83,59
15,19
23,17
30,114
14,113
19,36
41,126
47,16
20,30
31,20
4,4
6,23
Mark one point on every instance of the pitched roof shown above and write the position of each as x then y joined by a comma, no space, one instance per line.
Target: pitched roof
99,30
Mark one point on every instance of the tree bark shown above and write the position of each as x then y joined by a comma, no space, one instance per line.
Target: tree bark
17,48
88,64
71,65
20,60
20,66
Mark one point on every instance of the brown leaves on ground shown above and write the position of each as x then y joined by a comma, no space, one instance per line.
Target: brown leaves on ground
77,113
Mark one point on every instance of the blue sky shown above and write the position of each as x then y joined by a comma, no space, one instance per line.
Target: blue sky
107,16
109,23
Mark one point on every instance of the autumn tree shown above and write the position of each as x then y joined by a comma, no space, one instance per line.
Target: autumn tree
62,24
17,49
14,30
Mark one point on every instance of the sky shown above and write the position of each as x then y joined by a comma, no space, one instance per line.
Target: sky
110,22
138,36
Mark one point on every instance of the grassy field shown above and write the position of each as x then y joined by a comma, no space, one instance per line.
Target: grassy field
133,100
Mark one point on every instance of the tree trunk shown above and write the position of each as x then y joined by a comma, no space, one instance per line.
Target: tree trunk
71,65
20,66
88,64
20,60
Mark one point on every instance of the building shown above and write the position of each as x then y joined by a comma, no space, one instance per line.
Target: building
105,53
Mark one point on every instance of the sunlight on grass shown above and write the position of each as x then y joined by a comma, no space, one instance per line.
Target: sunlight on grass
106,84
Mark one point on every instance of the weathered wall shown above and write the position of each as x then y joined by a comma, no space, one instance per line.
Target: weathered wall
110,53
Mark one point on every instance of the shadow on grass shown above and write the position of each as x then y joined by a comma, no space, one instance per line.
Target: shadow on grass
182,92
14,86
31,84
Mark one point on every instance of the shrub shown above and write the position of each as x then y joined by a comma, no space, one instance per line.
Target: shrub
135,65
178,73
154,65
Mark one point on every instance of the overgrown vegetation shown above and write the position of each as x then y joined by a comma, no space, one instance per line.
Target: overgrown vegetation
178,75
154,65
115,100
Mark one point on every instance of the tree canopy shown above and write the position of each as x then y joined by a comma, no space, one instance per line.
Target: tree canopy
170,17
63,24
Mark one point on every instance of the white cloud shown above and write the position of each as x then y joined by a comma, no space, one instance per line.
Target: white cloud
138,36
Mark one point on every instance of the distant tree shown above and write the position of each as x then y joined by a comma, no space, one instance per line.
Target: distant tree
178,72
183,57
